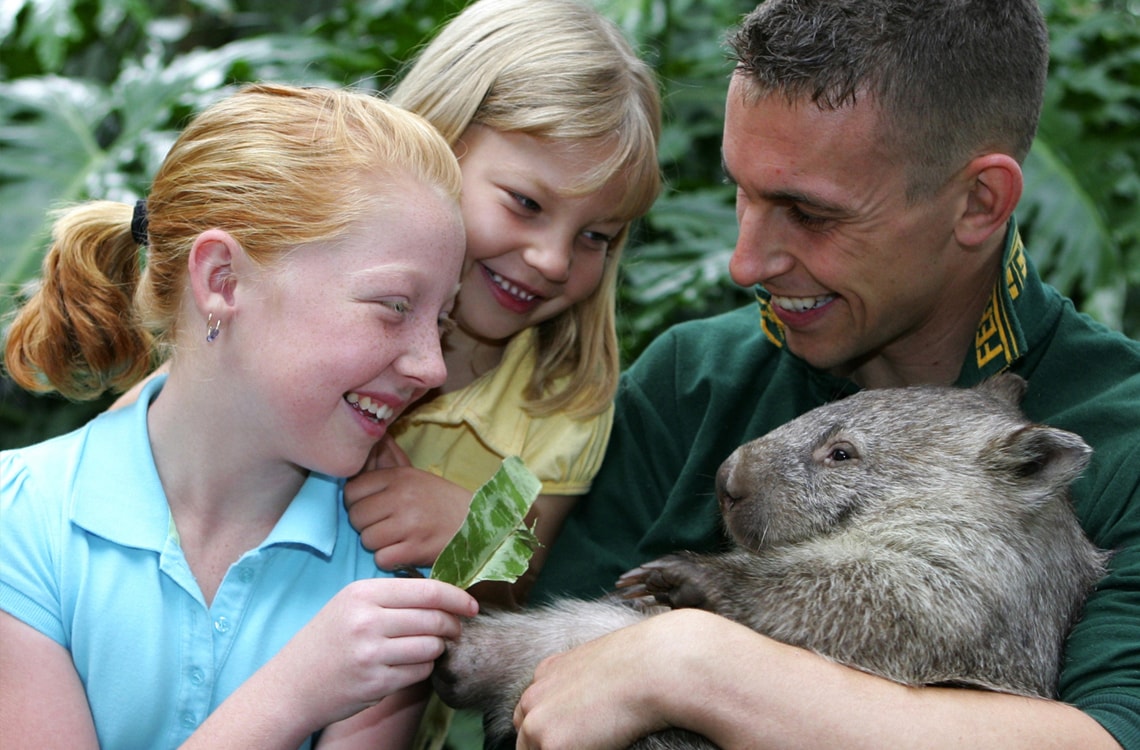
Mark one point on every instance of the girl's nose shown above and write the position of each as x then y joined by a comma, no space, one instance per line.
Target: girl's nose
423,361
550,257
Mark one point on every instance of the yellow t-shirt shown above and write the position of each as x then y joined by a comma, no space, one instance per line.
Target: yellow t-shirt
464,435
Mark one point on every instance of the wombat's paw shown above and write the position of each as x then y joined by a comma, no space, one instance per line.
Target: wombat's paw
675,580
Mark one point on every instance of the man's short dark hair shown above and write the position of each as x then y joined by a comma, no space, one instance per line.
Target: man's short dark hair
952,78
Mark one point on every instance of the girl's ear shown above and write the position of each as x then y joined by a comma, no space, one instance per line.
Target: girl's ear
212,277
994,183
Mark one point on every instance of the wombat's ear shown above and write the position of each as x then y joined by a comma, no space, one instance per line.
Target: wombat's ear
1041,459
1005,386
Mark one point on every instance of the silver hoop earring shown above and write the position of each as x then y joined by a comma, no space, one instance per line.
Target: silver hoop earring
213,328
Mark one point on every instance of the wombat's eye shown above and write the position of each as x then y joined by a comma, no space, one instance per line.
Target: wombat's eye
833,451
839,452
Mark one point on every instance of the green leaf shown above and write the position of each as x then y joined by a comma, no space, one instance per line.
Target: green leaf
67,139
494,543
1067,234
51,25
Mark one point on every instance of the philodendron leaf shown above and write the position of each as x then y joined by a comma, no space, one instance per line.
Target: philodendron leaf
494,543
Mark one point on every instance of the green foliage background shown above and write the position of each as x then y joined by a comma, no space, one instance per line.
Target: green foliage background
92,93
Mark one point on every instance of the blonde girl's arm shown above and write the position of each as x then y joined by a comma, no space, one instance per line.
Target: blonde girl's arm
405,515
42,700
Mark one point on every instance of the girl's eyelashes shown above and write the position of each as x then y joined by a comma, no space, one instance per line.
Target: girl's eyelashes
398,306
598,240
526,203
402,308
593,239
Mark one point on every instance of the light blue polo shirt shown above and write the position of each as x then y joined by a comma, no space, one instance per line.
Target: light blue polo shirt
89,556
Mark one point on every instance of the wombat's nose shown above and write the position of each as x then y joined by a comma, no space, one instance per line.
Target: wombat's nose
724,491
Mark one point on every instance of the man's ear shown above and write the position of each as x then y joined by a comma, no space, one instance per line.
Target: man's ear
211,268
994,182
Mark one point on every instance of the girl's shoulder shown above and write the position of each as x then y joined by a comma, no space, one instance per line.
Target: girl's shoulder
41,472
72,475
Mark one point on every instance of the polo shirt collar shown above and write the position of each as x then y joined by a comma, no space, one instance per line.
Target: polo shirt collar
132,510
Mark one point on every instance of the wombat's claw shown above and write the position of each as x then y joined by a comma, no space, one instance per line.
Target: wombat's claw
666,580
631,578
631,586
404,570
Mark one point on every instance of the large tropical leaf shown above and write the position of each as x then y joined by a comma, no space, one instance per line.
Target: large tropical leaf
48,147
66,139
1069,236
494,543
679,270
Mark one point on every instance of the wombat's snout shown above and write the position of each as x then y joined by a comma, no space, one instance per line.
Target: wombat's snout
727,493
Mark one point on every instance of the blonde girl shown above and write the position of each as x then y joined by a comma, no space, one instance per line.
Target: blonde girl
555,121
181,571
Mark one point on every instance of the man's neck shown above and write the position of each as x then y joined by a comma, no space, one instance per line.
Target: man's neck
935,354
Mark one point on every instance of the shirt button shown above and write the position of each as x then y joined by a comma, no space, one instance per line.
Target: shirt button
197,676
188,720
246,575
222,625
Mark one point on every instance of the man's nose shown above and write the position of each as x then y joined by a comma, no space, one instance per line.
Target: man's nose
759,254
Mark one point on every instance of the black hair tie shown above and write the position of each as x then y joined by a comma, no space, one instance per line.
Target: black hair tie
138,223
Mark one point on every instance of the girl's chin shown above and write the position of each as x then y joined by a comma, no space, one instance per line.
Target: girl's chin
495,328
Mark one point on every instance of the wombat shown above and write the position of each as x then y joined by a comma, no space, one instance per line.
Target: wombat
923,534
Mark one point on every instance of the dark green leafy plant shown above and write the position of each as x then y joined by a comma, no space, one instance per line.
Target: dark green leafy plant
1082,198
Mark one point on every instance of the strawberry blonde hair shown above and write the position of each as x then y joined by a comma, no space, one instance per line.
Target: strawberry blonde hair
274,166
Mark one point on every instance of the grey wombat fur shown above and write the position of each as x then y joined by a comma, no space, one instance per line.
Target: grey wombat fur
922,534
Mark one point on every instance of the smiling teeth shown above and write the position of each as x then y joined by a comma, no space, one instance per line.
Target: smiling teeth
377,410
510,288
801,304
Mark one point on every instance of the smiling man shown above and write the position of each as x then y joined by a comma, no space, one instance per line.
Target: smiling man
876,146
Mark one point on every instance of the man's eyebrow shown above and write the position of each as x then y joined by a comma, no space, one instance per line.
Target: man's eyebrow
808,201
791,196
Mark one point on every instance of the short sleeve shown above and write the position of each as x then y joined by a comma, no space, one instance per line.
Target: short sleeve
30,527
566,453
